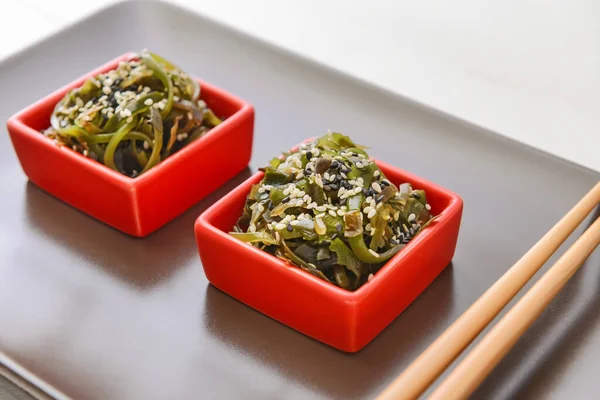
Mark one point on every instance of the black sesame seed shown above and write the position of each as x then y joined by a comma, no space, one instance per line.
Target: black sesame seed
326,188
307,172
285,199
338,227
290,228
270,205
416,195
392,241
334,236
385,183
334,164
365,192
309,155
379,198
333,186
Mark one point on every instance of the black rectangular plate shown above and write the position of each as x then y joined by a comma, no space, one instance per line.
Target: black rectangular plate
101,315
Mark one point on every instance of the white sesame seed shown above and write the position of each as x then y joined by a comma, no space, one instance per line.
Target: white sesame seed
146,145
148,102
360,180
367,210
277,236
316,152
312,205
343,175
294,223
321,208
368,199
332,213
428,207
368,227
261,190
332,177
359,165
376,173
411,217
175,98
373,203
341,213
326,175
370,277
373,252
161,105
371,213
122,114
280,227
286,191
376,187
372,231
106,90
341,191
357,190
85,153
260,207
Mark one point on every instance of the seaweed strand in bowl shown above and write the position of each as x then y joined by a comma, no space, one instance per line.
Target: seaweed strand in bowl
133,117
328,209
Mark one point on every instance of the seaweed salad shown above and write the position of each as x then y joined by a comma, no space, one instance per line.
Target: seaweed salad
328,209
134,116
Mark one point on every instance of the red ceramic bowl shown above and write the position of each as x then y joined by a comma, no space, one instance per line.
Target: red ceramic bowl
136,206
345,320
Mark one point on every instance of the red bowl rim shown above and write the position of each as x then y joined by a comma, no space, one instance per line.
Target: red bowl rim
455,204
17,123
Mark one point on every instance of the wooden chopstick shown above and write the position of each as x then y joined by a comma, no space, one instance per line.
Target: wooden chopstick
476,366
435,359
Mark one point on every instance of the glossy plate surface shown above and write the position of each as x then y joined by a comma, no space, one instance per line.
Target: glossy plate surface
101,315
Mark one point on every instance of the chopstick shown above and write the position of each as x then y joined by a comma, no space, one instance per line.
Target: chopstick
435,359
476,366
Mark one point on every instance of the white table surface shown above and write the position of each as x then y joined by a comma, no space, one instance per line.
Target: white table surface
528,69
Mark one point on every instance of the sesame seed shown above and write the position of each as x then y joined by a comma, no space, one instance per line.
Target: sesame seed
332,177
306,198
326,175
321,208
343,175
290,228
280,227
368,227
175,98
428,207
261,190
341,213
376,186
411,217
277,236
376,173
286,191
339,227
359,165
368,199
367,209
371,213
370,278
373,252
396,215
106,90
260,207
332,213
148,102
294,223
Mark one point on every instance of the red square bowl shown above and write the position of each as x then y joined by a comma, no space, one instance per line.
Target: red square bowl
136,206
342,319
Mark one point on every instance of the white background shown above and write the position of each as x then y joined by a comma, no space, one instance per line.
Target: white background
528,69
